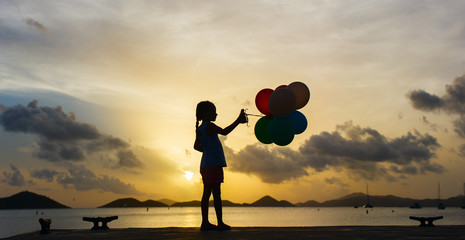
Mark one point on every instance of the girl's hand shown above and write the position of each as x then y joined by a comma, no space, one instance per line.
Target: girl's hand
242,117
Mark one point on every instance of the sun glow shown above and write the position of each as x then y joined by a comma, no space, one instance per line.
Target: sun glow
188,175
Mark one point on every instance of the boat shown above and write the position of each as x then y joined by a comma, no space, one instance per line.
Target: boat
416,205
463,206
367,205
441,205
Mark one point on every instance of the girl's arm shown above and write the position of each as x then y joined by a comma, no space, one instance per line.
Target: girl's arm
213,128
197,145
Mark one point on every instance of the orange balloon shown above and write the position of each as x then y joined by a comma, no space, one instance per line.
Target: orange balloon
301,92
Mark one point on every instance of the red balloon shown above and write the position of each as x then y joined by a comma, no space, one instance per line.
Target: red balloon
282,86
261,101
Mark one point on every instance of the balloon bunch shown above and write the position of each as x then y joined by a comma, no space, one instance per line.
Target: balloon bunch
282,120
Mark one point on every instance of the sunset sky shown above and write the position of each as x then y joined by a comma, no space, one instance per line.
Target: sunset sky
97,98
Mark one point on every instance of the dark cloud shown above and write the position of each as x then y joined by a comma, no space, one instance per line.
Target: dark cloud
453,102
37,25
455,96
48,122
128,159
83,179
459,126
271,165
364,152
107,142
64,138
335,181
14,178
59,151
46,174
424,101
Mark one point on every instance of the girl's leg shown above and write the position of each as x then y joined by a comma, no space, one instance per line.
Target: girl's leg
219,206
207,190
217,202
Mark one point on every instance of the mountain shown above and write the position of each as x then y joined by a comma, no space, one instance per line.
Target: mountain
29,200
268,201
310,203
358,199
353,199
196,203
131,202
166,201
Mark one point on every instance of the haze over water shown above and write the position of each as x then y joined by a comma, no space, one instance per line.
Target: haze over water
14,222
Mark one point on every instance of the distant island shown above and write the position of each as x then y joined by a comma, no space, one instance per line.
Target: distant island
265,201
29,200
132,202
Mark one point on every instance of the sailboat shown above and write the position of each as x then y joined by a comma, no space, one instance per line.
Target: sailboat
368,205
463,206
440,204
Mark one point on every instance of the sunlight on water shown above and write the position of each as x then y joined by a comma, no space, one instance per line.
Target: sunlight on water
14,222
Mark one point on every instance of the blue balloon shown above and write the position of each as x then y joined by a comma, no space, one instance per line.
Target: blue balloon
298,121
281,131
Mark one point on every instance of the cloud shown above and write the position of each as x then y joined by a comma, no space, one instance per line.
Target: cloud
335,181
14,178
48,122
452,102
64,138
83,179
128,159
364,152
271,165
46,174
37,25
433,126
59,151
424,101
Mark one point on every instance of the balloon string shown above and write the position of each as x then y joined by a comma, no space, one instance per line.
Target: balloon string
255,115
248,114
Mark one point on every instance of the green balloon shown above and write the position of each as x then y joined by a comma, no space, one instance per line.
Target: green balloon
261,130
281,131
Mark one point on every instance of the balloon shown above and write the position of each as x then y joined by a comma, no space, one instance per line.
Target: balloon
302,93
281,86
261,130
281,131
282,102
261,100
298,121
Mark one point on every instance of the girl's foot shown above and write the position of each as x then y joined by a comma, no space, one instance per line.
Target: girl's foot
208,227
223,227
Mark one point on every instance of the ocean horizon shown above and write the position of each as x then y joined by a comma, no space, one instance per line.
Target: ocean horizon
14,222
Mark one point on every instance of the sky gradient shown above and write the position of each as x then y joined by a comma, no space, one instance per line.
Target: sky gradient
97,98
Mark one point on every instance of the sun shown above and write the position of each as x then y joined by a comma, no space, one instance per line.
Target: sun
188,175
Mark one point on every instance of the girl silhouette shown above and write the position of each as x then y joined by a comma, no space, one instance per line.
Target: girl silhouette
213,160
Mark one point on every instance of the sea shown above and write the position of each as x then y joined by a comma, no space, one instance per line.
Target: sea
14,222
